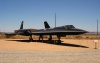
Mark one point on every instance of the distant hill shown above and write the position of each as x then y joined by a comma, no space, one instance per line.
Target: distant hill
93,33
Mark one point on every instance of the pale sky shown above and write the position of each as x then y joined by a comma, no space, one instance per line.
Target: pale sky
82,14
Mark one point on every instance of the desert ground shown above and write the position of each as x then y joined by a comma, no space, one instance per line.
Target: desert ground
69,51
66,45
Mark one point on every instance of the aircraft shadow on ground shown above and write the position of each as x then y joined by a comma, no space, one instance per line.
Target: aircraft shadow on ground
51,42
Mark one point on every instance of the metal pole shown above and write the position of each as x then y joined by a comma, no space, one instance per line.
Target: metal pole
96,41
55,19
97,32
97,27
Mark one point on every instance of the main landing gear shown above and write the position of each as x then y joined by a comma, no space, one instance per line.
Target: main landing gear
30,38
50,39
59,41
41,37
55,41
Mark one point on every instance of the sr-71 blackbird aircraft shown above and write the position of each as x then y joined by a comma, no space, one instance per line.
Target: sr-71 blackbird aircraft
60,31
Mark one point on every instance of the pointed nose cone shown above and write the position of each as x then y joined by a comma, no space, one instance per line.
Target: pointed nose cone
80,31
83,31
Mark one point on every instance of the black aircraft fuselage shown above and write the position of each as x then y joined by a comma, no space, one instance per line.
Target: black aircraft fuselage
61,31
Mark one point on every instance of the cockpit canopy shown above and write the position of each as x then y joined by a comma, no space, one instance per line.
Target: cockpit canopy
69,26
65,27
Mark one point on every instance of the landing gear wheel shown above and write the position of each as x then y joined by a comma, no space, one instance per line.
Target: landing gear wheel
59,42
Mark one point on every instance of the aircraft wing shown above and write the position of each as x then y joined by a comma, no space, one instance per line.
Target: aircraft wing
10,33
56,32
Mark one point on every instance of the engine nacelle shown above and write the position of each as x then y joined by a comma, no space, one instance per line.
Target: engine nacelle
24,32
27,33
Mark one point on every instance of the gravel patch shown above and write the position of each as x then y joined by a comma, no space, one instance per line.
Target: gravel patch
12,56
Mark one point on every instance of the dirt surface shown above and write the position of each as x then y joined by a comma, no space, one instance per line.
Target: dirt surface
66,45
70,51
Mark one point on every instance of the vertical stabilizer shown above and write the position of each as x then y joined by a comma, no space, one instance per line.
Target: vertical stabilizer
21,27
46,24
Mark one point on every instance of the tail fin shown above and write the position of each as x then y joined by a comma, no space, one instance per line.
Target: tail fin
46,24
21,27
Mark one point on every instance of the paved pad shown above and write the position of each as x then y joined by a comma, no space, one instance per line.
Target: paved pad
11,56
